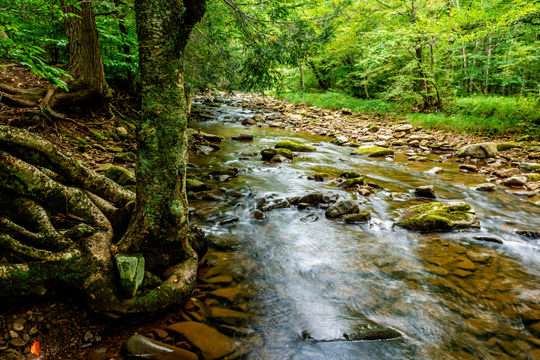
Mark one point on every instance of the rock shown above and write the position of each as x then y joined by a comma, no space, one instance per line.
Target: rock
515,181
361,217
405,127
18,342
247,122
11,354
481,327
399,196
522,193
268,154
529,166
479,151
258,215
131,272
277,124
211,343
350,183
212,195
196,185
468,167
100,352
279,204
374,128
121,131
376,333
312,198
120,175
229,220
438,216
279,159
350,174
373,151
199,135
243,137
229,294
125,156
346,111
489,238
504,173
485,187
506,146
321,177
18,326
339,140
529,234
425,192
341,208
141,346
310,218
532,177
227,316
436,170
294,146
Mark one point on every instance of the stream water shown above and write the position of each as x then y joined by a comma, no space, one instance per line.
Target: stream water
450,296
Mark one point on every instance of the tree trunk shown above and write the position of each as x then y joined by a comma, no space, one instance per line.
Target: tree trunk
318,75
158,229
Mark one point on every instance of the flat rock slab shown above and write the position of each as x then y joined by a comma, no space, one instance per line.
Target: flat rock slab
143,347
211,343
227,316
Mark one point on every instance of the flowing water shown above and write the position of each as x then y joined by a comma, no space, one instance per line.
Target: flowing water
450,296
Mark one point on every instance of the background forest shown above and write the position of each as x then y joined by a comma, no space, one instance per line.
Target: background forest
471,65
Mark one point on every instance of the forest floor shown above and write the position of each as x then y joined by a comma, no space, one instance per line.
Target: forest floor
97,138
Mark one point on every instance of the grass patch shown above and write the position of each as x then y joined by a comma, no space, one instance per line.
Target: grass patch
484,115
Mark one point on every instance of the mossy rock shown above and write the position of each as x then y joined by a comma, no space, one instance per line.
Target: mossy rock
120,175
439,216
506,145
361,217
350,174
321,177
196,185
373,151
126,156
377,333
294,146
268,154
532,177
350,183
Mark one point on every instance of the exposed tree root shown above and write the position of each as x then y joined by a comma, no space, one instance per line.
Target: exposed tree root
36,180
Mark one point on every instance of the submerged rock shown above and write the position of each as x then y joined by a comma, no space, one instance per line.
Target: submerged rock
341,208
294,146
268,154
479,151
141,346
529,234
485,187
350,183
361,217
438,216
489,238
373,151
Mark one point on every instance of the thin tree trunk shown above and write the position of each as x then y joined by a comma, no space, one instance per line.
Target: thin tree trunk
301,77
318,76
488,64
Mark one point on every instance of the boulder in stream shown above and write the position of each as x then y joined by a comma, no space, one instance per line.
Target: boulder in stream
425,192
294,146
373,151
350,183
439,216
268,154
479,151
342,208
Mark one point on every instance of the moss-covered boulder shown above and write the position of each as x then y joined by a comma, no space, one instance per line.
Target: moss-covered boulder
196,185
373,151
120,175
350,183
506,145
294,146
268,154
439,216
361,217
350,174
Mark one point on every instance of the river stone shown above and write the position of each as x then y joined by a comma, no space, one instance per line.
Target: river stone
196,185
294,146
312,198
506,146
529,166
258,215
515,181
485,187
211,343
376,333
248,122
504,173
529,234
120,175
212,195
141,346
310,218
277,124
489,238
468,167
361,217
373,151
479,151
131,271
341,208
436,170
350,183
405,127
438,216
279,204
227,316
425,192
279,159
268,154
229,294
339,140
243,137
350,174
399,196
522,193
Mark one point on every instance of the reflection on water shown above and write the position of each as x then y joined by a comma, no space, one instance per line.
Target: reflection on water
451,297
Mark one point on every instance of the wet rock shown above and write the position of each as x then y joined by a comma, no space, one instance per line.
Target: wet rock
515,181
506,146
229,220
468,167
229,294
529,167
437,216
350,174
310,218
120,175
373,151
125,156
294,146
279,159
100,352
522,193
418,158
489,238
479,151
243,137
312,198
341,208
279,204
339,140
11,354
361,217
399,196
425,192
207,213
436,170
321,177
374,128
529,234
211,343
478,257
277,124
404,127
350,183
141,346
481,327
227,316
248,122
504,173
346,111
213,195
485,187
258,215
131,271
196,185
268,154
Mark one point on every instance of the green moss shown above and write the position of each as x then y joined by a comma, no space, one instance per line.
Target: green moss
120,175
373,151
350,183
294,146
532,177
363,216
267,154
377,333
98,135
81,140
506,145
437,216
196,185
322,177
350,174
